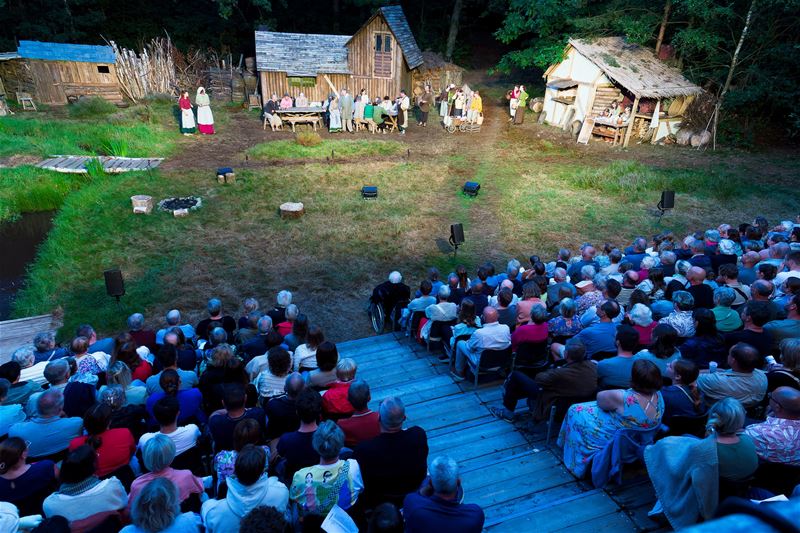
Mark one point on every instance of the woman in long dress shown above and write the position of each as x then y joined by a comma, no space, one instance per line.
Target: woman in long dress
205,119
335,115
590,426
188,125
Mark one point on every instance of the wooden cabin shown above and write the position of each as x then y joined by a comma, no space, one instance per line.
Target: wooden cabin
57,73
436,72
595,72
379,57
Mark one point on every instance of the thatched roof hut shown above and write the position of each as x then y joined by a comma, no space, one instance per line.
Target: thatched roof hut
437,72
595,72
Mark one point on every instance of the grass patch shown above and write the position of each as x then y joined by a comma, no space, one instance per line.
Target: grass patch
290,149
89,108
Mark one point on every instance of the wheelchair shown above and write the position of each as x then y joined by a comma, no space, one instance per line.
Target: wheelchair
379,315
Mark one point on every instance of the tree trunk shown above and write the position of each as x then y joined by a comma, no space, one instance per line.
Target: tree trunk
731,70
663,29
451,37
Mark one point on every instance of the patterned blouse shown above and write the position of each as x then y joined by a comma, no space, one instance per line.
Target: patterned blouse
682,321
776,440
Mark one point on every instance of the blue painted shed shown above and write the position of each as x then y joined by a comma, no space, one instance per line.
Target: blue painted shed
57,73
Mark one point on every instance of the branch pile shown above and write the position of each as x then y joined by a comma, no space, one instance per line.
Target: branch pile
151,72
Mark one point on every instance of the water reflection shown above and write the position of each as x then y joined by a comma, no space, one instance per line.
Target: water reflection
18,243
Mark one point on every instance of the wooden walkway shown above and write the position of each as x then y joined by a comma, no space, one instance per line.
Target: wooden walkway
18,332
76,164
506,469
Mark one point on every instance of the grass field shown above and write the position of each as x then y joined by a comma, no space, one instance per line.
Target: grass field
538,192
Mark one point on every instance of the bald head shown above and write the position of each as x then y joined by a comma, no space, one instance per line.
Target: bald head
762,289
489,315
696,275
786,403
507,283
587,254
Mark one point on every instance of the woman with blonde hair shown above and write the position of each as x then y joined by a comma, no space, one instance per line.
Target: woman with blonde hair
205,119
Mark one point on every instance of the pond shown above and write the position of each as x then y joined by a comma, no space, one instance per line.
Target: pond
19,241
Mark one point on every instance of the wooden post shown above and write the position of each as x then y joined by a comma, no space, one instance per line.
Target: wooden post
628,133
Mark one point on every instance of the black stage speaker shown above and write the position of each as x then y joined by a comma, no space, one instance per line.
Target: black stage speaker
369,192
667,200
471,188
456,234
115,285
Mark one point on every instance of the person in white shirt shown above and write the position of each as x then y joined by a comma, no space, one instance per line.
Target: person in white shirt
441,311
166,411
492,336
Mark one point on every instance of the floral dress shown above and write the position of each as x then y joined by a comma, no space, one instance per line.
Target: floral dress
587,429
564,327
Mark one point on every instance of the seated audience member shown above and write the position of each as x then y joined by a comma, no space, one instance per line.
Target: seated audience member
577,378
612,269
316,489
615,372
531,295
173,320
47,432
467,322
141,335
123,414
19,391
492,336
663,348
222,423
442,311
600,336
747,272
247,431
727,319
190,401
9,414
249,330
223,368
559,282
789,328
126,352
701,467
264,519
215,319
776,438
682,397
30,370
743,381
566,324
282,301
259,363
298,334
334,402
437,506
394,463
654,286
25,485
425,299
296,446
167,356
702,293
78,397
506,308
114,447
477,295
166,412
636,252
536,331
699,259
589,295
157,456
641,319
120,374
629,282
788,373
587,259
589,427
391,292
792,264
249,306
763,291
45,349
729,278
285,327
364,423
249,487
83,499
754,315
324,375
157,508
608,290
90,364
258,345
186,355
706,345
104,346
281,410
270,381
305,356
681,318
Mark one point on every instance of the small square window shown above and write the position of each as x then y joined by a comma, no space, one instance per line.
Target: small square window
103,69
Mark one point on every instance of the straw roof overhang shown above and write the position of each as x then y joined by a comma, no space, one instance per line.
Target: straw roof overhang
635,68
434,61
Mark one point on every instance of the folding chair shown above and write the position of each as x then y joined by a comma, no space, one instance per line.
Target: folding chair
26,101
490,361
531,358
439,329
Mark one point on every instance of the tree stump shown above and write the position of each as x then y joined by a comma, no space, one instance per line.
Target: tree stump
292,210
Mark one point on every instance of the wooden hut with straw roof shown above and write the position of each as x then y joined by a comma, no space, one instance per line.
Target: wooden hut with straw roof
595,72
436,72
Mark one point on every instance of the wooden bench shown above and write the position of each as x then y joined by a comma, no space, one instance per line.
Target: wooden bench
18,332
391,123
314,121
365,123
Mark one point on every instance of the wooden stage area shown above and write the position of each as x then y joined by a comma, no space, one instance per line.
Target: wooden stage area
507,469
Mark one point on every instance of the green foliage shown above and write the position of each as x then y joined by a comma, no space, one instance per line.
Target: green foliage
29,189
95,170
116,148
291,149
91,108
226,7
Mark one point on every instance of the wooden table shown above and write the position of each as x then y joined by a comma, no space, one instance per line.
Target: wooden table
619,129
301,115
391,121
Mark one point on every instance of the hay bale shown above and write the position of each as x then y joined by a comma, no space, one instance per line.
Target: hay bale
292,210
700,139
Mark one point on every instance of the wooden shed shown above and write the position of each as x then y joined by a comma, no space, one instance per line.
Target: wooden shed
436,72
594,72
55,73
379,57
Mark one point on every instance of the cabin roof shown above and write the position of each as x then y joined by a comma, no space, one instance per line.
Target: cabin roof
301,54
396,20
83,53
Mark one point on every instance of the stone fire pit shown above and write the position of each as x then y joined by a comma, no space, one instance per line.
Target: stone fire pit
180,206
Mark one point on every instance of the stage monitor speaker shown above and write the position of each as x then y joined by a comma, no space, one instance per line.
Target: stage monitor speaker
369,192
667,200
456,234
471,188
115,285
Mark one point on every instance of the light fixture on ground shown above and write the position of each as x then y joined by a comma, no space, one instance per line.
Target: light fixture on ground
471,188
369,192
